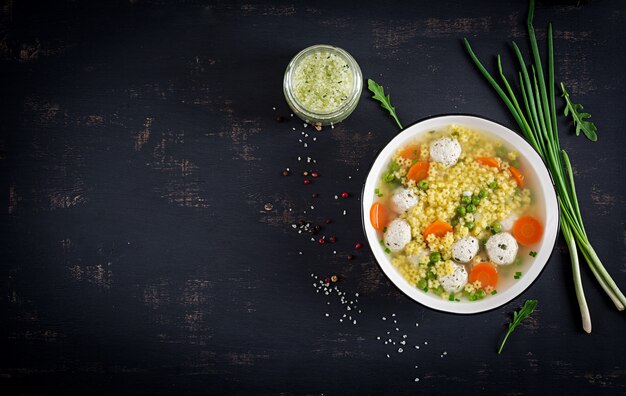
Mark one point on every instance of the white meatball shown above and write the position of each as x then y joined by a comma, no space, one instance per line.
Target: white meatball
502,248
445,150
454,282
464,250
398,234
403,199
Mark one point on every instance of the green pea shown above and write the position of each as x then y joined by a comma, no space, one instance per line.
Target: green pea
482,194
480,294
455,221
475,200
422,284
493,185
435,257
431,275
496,228
466,199
469,225
423,184
439,289
470,208
461,210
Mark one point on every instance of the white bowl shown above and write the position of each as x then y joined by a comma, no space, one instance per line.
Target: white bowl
530,161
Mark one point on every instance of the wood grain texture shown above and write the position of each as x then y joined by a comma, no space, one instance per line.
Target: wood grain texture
140,147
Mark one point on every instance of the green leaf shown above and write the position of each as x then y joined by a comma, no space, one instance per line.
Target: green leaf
518,316
385,100
587,127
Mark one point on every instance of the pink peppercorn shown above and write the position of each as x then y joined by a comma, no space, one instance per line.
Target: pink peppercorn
314,174
321,241
344,195
306,181
357,246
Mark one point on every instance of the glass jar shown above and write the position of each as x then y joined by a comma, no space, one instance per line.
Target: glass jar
343,96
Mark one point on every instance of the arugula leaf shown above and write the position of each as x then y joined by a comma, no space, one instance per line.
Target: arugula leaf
588,127
385,101
524,312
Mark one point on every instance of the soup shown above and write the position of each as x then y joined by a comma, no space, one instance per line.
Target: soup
456,213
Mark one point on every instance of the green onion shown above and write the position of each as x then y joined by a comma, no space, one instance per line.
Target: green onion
538,122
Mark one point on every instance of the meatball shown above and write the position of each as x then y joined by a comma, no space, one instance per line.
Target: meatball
464,250
502,248
445,150
403,199
398,234
454,282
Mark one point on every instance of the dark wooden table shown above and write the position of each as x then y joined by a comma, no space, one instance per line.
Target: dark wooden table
147,244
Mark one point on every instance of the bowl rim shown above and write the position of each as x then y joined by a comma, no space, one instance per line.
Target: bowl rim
425,299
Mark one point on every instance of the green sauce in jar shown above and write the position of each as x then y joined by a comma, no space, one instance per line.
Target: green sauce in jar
323,84
323,81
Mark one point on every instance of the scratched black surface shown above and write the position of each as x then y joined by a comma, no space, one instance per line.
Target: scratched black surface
139,147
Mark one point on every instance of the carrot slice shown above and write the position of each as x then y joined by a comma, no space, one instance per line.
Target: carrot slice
488,161
486,273
527,230
419,171
378,216
439,228
518,176
411,152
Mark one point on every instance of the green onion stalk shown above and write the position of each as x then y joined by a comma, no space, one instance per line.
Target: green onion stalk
535,114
